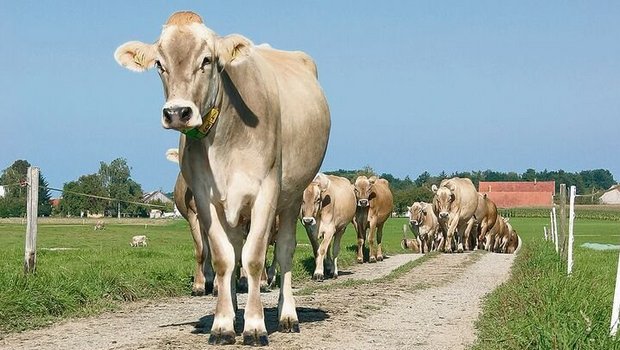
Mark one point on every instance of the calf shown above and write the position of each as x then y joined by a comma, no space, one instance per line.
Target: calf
327,209
424,224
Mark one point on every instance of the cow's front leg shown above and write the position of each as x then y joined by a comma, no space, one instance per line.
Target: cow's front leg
466,235
328,234
223,259
359,228
452,224
253,258
287,314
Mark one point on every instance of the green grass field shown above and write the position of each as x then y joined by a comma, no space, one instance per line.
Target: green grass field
101,270
540,307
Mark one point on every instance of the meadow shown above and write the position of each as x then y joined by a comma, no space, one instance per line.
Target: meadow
540,307
95,271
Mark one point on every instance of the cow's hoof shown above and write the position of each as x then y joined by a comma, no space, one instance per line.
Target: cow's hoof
318,277
225,338
198,292
255,339
372,259
209,288
289,326
335,275
360,260
379,257
265,287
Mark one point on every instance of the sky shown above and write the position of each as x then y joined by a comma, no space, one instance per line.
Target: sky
412,86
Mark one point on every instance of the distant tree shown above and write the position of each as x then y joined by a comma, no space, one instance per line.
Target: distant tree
423,179
367,170
14,202
116,179
74,202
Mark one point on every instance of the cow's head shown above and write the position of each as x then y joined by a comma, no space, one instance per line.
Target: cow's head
417,212
442,202
313,199
364,191
190,58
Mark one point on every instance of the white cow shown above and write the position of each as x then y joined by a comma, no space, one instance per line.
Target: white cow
137,241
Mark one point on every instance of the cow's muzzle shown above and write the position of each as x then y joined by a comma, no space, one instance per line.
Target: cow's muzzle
443,214
176,115
308,220
362,203
413,222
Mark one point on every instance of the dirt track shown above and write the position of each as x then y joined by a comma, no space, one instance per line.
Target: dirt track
433,306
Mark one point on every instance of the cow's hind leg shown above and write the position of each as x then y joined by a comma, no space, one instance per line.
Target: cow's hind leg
285,248
200,253
372,249
336,249
379,240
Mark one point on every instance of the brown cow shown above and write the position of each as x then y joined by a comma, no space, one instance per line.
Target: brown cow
486,216
247,113
424,224
455,203
327,209
374,207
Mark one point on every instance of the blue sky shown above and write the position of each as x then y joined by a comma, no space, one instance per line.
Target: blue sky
412,85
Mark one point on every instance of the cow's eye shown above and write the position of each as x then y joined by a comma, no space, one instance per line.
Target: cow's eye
160,68
205,62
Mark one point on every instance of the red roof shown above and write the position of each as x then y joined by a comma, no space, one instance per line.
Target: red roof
517,186
507,194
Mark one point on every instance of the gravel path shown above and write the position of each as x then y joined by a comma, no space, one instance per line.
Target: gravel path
433,306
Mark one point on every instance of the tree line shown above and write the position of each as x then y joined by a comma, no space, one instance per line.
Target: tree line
113,180
406,191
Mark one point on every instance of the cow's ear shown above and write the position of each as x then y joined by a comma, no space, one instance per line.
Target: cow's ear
408,208
136,56
173,155
434,188
246,70
323,182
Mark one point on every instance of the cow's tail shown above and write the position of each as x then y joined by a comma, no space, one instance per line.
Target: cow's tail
519,245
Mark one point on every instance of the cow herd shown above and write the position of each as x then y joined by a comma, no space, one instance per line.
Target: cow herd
459,219
254,126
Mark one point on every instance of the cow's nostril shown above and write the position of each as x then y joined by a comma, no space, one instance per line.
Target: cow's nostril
168,114
185,113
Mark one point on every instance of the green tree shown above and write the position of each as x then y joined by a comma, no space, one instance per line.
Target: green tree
14,202
116,179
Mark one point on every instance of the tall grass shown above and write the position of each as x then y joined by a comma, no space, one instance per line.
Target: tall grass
542,308
100,270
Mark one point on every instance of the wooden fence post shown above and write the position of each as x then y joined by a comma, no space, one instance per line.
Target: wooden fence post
562,236
32,207
571,224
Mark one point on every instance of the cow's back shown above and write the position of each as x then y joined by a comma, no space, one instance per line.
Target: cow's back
465,196
344,204
381,206
305,119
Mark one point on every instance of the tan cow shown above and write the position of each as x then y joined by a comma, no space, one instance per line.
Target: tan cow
327,209
514,242
374,206
486,216
424,225
455,203
257,125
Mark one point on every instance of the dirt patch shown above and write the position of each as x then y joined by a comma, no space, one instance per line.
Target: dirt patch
433,306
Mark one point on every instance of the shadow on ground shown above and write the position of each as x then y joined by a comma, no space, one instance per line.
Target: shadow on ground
305,315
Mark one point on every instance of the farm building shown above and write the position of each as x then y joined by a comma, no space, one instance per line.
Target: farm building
150,197
611,196
512,194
